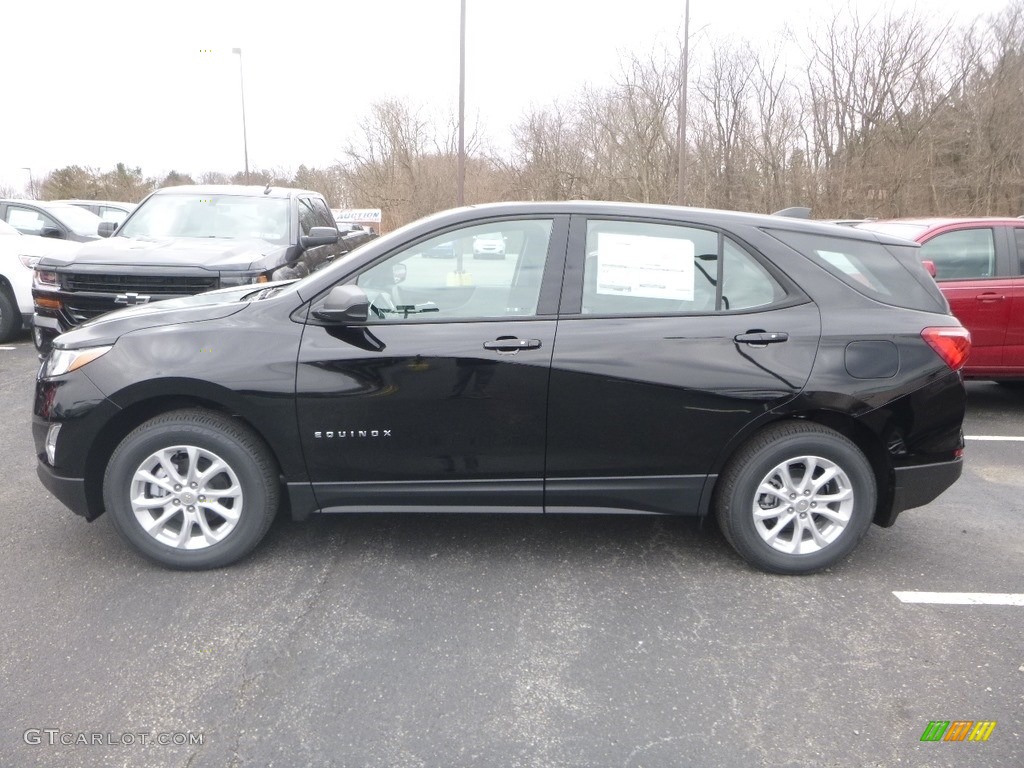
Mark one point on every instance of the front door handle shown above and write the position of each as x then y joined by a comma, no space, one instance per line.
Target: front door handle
989,297
761,338
511,344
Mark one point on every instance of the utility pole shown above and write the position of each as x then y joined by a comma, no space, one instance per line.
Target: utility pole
684,66
461,185
245,137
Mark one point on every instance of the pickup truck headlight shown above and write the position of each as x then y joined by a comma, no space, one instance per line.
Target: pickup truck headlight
231,279
45,279
29,261
63,361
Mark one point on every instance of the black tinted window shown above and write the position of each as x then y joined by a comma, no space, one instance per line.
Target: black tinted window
890,274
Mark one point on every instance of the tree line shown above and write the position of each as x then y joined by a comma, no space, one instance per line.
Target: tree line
894,114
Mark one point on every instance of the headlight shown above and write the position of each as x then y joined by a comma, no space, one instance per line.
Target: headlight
63,361
30,261
44,278
230,279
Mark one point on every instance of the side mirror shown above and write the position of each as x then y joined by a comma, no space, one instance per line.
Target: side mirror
52,232
344,304
929,267
106,228
319,236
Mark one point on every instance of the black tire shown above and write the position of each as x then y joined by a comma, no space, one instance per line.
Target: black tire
10,315
249,473
774,543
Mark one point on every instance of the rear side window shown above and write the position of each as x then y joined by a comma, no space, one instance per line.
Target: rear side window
891,274
637,267
963,254
1018,236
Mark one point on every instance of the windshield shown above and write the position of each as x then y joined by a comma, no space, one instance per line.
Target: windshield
236,217
79,220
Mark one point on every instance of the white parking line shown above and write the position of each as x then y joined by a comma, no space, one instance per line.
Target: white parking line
8,349
961,598
997,438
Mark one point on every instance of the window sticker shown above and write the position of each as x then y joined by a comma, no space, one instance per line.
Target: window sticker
645,266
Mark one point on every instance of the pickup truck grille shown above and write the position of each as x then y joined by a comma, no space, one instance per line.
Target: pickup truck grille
153,285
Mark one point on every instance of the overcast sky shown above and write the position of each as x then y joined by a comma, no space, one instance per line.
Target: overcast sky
153,83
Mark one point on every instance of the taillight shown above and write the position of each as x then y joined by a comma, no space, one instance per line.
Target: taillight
953,345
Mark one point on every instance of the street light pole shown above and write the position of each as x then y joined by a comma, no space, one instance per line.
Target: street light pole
684,66
461,185
245,137
31,184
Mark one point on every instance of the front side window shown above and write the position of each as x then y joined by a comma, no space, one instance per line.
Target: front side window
485,271
644,268
29,221
1018,238
963,254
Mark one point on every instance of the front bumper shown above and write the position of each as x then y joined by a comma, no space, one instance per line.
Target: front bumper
919,485
69,491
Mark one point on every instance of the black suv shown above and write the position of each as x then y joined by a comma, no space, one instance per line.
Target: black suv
797,380
185,240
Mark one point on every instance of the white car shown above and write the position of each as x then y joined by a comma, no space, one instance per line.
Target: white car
18,255
489,246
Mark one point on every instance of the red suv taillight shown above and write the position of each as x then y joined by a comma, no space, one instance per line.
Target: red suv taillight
952,344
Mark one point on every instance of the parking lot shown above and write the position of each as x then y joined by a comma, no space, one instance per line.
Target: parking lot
511,641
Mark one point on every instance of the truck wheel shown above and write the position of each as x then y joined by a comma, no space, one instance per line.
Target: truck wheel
796,499
10,316
192,489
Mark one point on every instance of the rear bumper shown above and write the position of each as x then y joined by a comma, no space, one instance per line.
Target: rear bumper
920,485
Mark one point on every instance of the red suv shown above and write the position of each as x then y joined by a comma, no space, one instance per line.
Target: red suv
979,266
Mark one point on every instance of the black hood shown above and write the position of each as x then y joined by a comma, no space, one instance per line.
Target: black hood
107,328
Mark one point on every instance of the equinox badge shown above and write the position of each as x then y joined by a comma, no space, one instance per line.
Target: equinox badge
345,433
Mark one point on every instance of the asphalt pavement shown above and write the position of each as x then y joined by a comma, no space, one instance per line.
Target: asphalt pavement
468,640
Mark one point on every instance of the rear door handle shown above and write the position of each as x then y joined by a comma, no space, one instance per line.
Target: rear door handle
762,337
512,344
989,297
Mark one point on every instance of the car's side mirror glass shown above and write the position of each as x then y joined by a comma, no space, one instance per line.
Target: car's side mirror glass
51,232
106,228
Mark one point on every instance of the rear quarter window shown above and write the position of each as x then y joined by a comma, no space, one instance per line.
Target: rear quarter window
891,274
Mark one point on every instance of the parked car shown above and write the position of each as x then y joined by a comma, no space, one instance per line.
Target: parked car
626,358
50,219
445,250
489,245
18,255
184,240
107,210
979,266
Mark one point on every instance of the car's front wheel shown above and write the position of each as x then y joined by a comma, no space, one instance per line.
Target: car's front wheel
797,498
191,489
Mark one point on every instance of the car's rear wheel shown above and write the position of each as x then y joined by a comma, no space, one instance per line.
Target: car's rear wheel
797,498
191,489
10,316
